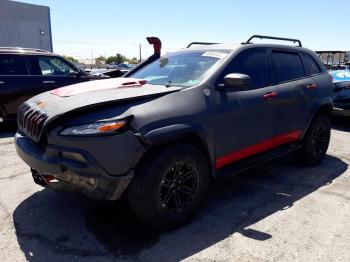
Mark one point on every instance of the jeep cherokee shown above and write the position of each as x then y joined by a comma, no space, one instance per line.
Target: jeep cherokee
159,134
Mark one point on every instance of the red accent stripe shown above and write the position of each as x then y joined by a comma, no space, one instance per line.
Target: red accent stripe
258,148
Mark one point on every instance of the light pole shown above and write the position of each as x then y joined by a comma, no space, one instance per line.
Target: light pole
140,52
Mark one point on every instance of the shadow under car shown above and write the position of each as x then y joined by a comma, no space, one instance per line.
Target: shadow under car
53,226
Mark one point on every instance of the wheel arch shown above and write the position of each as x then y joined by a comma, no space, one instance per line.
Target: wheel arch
322,108
164,137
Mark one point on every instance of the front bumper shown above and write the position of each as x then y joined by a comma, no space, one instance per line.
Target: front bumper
95,188
82,167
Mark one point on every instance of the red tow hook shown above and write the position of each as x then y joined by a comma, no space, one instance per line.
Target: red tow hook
48,178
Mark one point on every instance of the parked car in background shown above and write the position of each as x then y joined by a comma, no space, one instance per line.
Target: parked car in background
338,66
341,98
26,72
159,134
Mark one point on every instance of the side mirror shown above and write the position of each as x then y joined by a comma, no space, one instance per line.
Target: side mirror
75,74
237,81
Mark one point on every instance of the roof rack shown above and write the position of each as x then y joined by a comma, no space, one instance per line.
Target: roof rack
200,43
272,38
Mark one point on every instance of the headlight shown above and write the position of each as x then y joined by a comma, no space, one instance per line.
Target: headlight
100,128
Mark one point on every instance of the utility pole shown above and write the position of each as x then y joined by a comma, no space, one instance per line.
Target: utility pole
140,52
92,58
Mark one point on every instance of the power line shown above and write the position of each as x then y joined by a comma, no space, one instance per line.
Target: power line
94,43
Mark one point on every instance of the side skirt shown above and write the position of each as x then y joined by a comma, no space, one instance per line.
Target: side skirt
245,164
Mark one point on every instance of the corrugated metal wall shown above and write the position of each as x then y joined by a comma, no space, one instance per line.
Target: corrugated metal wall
25,25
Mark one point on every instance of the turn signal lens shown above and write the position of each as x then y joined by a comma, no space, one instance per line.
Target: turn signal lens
111,127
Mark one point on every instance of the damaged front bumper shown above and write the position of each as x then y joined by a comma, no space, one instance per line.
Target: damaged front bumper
78,165
95,188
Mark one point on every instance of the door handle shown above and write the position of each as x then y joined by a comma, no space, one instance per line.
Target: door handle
311,87
270,95
49,82
2,82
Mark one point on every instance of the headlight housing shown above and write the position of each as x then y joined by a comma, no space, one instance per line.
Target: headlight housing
95,129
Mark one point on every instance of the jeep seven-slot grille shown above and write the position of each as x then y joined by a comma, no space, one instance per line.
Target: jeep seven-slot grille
31,121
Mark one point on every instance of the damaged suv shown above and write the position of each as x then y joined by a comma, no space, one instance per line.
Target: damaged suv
160,133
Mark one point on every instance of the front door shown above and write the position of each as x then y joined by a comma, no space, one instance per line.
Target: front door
245,118
53,72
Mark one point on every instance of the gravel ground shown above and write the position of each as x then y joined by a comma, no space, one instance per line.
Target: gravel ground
277,212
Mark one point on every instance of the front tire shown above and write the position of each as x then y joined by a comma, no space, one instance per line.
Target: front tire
169,187
316,141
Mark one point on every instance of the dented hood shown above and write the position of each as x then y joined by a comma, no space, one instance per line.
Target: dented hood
71,98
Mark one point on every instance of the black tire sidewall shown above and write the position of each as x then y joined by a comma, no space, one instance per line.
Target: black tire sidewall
143,191
308,155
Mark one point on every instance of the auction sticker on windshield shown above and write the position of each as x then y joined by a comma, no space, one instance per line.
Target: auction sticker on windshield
219,55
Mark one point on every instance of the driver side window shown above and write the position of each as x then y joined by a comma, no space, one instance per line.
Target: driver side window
252,62
53,66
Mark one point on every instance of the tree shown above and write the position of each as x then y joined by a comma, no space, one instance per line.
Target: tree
111,59
120,58
100,60
70,58
134,60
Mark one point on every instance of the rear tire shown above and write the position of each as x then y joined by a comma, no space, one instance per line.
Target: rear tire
169,187
316,141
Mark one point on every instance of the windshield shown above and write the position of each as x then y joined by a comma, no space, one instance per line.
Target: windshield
181,69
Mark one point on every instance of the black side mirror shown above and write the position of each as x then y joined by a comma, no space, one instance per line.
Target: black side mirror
237,81
75,74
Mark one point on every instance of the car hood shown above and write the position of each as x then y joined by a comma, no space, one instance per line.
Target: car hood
53,104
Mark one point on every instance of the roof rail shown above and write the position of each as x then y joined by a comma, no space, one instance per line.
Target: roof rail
272,38
200,43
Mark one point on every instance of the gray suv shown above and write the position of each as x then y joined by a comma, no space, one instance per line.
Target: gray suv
160,133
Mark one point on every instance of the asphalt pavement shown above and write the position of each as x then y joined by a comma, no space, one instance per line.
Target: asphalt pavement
280,211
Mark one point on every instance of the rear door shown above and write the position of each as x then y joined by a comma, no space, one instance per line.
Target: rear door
319,82
292,83
245,118
14,83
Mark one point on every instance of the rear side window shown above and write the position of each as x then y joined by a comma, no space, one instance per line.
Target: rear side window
311,67
254,63
12,65
287,66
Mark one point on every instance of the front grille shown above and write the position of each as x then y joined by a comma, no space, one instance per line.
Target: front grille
30,121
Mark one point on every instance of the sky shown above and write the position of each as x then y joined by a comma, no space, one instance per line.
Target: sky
85,28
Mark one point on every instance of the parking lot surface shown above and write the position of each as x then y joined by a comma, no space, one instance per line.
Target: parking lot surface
276,212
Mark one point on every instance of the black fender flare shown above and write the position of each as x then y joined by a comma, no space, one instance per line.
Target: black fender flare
325,104
180,132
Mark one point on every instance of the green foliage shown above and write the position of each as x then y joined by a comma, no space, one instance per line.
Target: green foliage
100,60
134,60
71,59
111,59
118,59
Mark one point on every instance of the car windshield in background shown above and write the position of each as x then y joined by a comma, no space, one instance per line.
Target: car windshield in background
181,69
